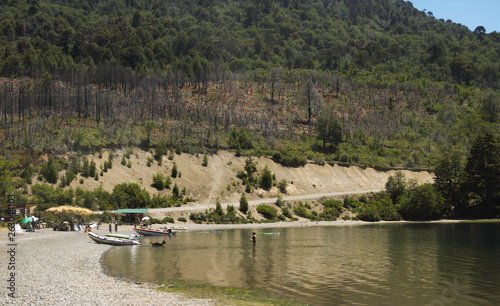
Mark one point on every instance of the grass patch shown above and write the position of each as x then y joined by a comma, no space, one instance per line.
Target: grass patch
223,295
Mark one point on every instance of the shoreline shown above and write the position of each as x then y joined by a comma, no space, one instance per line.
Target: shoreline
65,268
60,268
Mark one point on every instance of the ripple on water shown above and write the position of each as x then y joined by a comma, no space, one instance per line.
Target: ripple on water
388,264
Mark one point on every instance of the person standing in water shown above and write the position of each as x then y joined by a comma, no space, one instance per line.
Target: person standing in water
254,237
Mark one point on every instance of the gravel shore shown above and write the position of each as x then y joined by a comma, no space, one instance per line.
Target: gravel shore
64,268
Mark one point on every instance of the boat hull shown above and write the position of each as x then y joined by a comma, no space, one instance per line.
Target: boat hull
121,236
112,240
151,232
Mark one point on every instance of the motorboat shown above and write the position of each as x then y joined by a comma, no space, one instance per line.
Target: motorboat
152,232
112,240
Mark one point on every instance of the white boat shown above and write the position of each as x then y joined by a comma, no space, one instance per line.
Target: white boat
123,236
153,232
112,240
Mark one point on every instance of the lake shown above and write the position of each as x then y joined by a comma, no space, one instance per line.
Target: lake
395,263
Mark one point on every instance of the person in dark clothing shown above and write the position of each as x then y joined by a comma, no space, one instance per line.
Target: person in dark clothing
116,225
254,237
110,228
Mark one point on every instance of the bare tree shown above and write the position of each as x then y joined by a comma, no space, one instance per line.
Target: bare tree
312,100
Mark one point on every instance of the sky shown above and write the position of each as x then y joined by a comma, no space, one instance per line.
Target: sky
470,13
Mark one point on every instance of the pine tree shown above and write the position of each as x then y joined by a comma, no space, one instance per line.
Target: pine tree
243,204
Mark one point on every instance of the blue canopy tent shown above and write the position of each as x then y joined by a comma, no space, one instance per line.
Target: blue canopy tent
132,215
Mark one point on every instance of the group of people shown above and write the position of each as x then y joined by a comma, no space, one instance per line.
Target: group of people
116,225
32,224
62,226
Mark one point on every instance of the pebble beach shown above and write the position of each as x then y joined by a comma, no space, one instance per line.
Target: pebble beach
64,268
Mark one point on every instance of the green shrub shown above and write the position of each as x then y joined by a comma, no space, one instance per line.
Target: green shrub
168,220
168,182
330,214
335,204
181,219
158,181
267,211
279,201
351,203
301,211
290,159
205,160
286,212
282,186
369,213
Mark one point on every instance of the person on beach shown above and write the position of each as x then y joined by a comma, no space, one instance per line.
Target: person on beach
254,237
116,225
33,222
110,228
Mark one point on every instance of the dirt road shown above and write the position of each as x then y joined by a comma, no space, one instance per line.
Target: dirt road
161,212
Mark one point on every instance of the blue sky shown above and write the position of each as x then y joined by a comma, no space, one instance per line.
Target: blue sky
470,13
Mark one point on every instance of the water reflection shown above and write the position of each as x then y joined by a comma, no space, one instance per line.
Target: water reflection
419,263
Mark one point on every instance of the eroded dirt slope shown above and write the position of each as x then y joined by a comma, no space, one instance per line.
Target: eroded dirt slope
218,179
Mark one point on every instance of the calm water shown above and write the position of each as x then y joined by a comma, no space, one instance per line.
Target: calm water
422,263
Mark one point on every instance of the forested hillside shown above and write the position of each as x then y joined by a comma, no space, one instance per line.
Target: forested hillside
356,82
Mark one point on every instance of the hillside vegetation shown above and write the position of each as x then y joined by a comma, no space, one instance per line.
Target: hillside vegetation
370,83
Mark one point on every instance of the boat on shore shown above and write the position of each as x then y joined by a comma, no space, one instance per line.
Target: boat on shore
123,236
153,232
112,240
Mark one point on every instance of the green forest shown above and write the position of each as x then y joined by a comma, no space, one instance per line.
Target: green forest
371,83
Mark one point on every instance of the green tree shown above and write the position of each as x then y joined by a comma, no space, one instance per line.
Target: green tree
218,208
449,172
266,180
175,191
490,106
130,195
158,181
482,175
240,138
174,171
398,187
329,129
50,171
424,203
6,185
243,204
